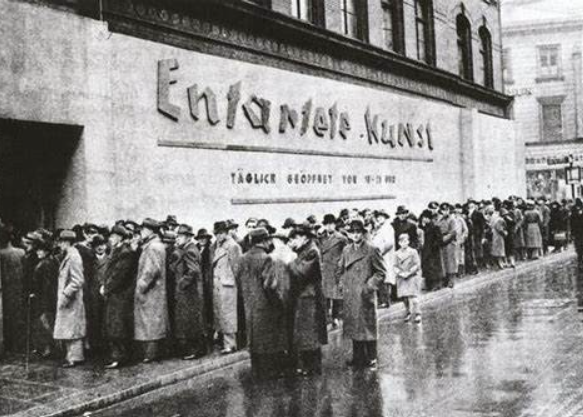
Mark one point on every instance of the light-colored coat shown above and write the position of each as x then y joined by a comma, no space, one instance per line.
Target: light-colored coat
461,233
498,226
408,272
70,321
383,238
331,246
448,252
150,302
361,269
225,259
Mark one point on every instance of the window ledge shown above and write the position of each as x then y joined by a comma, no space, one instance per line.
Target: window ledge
540,80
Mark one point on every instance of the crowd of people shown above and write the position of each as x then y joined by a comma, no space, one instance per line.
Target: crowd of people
160,286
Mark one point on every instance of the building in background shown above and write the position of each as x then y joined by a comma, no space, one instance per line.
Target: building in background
228,109
543,71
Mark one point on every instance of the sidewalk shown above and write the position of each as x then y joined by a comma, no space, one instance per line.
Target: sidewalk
47,390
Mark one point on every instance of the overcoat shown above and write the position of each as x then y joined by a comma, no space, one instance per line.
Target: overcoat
408,272
431,260
498,226
518,229
70,323
361,269
448,251
225,259
207,284
331,246
309,328
91,296
119,288
150,303
479,225
188,303
264,309
461,235
14,308
533,229
45,284
383,238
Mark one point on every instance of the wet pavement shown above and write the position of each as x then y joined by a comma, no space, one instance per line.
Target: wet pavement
512,348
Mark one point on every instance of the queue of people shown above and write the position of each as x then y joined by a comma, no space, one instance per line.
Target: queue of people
95,291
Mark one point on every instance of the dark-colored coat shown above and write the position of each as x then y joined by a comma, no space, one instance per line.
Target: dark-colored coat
91,296
431,260
150,303
11,286
309,331
361,270
331,246
207,284
188,303
70,323
119,287
45,283
479,225
264,309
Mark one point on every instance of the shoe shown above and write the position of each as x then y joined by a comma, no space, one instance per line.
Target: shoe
450,285
418,318
192,356
407,318
147,360
69,364
112,365
227,351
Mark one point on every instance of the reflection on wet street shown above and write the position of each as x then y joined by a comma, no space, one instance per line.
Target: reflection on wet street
514,348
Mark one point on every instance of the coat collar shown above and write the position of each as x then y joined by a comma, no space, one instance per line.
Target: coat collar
355,253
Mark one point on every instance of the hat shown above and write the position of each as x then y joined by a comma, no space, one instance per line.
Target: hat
428,214
98,240
90,228
289,223
258,235
356,225
329,219
68,235
304,229
185,229
312,219
402,210
231,224
32,237
171,220
251,220
378,213
203,234
344,212
459,206
131,225
220,227
434,205
169,236
445,206
472,201
120,231
280,236
151,224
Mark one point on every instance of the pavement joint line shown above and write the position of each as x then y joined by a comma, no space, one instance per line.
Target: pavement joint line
20,400
26,381
219,363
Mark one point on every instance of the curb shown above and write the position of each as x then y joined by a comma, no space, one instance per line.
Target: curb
83,403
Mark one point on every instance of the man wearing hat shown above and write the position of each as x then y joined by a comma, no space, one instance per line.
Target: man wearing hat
447,225
331,244
150,302
478,225
309,331
70,324
225,258
461,233
401,225
264,309
171,223
361,270
189,325
29,262
203,242
382,237
118,291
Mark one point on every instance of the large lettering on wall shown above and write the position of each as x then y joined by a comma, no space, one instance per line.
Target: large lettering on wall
310,120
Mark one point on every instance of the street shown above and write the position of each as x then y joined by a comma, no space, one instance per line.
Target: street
512,348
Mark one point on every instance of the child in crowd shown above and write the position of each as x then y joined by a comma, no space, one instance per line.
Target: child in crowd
408,271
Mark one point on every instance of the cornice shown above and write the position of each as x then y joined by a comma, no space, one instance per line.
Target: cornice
242,31
566,25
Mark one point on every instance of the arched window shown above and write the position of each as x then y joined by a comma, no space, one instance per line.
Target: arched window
393,25
486,70
464,46
425,31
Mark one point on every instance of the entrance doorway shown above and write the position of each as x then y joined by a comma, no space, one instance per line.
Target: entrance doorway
34,161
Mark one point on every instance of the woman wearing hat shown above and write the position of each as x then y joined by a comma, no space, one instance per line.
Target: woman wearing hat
533,224
70,323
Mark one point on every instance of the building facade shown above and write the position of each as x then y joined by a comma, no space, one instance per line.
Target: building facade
230,109
543,71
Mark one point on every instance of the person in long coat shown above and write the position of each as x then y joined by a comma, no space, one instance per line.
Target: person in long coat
225,258
431,260
189,323
45,285
150,302
447,225
361,269
533,230
507,214
461,233
11,284
70,323
558,227
308,300
499,232
203,241
545,213
577,229
478,226
382,237
264,307
408,272
118,292
331,244
519,244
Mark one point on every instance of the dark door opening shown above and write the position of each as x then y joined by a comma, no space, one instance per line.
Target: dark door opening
34,161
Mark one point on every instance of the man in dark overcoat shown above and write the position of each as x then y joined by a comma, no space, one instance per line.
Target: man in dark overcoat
189,323
402,224
203,241
431,260
309,331
331,245
577,229
118,292
361,270
264,308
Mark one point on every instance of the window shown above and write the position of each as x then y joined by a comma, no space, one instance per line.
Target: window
507,65
486,67
552,122
464,46
309,10
393,27
425,31
355,19
549,62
